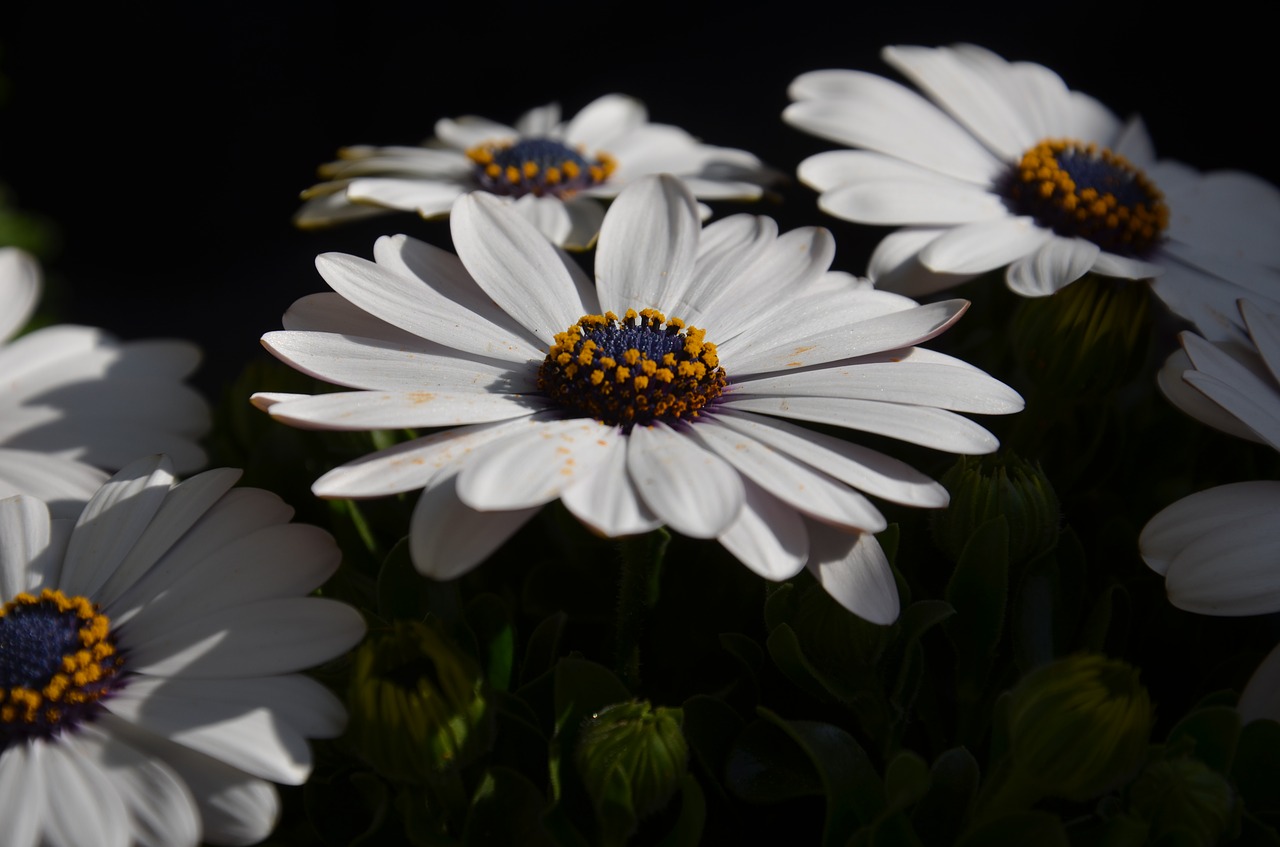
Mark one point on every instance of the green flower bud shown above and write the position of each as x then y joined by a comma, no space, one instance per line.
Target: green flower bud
417,704
1079,726
984,487
646,747
1085,340
1184,795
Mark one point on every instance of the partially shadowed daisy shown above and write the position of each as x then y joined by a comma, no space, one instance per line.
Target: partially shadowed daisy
556,171
1003,165
75,401
664,394
1218,548
149,653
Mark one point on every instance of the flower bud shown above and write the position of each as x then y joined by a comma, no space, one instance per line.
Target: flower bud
1079,726
645,746
1184,795
984,487
1085,340
417,703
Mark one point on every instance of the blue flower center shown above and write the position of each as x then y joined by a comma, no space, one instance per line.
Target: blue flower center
1084,191
57,660
542,167
637,370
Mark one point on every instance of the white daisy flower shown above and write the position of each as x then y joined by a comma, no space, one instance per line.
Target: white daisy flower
74,400
1003,165
556,171
149,653
1217,549
667,404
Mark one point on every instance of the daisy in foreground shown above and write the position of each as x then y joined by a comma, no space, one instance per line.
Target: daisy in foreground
148,659
1217,549
658,396
1003,165
74,400
556,172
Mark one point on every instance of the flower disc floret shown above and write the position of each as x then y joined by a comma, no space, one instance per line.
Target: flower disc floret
543,167
57,660
637,370
1084,190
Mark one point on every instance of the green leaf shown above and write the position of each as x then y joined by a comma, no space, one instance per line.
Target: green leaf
489,619
710,727
1254,769
687,831
543,649
945,807
906,779
1036,615
978,591
784,649
1215,731
1039,828
405,594
506,809
764,768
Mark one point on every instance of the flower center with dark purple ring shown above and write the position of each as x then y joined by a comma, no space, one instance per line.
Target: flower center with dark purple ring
1086,191
543,167
58,658
638,369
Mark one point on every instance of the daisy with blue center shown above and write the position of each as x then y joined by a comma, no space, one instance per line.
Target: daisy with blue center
1000,165
666,393
149,659
555,172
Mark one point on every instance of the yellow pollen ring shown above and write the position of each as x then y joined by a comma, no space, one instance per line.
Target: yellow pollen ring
1097,215
78,669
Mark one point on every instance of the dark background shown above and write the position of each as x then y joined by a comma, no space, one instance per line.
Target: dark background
167,146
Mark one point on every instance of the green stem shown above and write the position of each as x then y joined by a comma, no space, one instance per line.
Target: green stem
637,592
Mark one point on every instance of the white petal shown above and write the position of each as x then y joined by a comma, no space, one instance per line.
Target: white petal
19,289
428,197
1264,329
414,306
540,120
285,560
573,224
881,115
24,545
1230,570
328,311
385,366
607,500
895,264
854,570
603,120
967,94
360,410
928,427
1058,263
327,204
65,485
468,131
768,536
983,246
516,265
90,810
861,467
1234,387
532,467
112,522
257,725
895,379
235,808
161,810
1124,267
1260,699
796,344
804,488
447,538
648,246
410,465
829,170
694,491
255,639
22,792
1204,515
1194,402
913,201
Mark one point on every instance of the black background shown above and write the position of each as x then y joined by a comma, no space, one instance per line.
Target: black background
168,144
